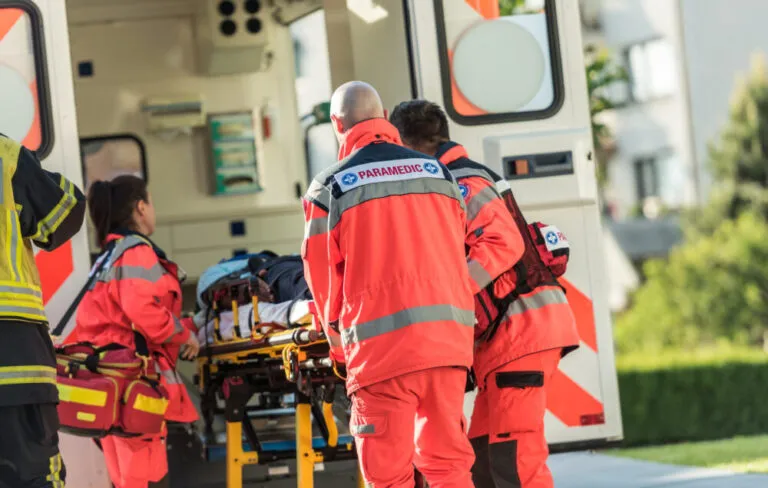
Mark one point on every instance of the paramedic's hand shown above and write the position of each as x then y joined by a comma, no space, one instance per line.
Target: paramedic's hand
190,348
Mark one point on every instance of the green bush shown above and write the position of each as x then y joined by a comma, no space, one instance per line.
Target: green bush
693,396
714,287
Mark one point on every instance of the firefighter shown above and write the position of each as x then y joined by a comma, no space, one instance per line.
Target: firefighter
45,209
524,323
384,259
139,290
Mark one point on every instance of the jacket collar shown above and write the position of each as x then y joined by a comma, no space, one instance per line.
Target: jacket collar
449,152
368,132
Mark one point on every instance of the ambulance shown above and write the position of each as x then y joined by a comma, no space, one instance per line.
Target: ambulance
218,103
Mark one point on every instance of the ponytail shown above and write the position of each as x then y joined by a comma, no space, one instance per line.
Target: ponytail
111,204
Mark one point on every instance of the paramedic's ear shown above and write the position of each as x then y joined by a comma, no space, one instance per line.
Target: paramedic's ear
386,114
338,125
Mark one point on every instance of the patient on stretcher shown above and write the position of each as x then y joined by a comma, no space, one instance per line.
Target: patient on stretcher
283,295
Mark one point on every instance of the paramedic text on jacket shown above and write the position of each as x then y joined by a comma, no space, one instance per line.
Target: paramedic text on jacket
384,258
44,208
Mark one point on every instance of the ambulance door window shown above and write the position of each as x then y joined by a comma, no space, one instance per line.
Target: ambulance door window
499,59
107,157
24,101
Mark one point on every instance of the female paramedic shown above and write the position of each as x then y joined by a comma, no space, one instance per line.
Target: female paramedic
524,323
138,288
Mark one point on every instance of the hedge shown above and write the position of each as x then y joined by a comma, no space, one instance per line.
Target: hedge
687,397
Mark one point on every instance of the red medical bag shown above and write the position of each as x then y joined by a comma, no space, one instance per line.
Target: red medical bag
110,390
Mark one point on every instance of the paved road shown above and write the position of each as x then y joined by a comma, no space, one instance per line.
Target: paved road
586,470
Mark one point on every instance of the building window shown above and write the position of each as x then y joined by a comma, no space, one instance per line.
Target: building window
646,178
25,113
652,70
499,60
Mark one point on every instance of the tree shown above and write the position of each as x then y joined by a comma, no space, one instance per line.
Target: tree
602,73
714,287
511,7
738,162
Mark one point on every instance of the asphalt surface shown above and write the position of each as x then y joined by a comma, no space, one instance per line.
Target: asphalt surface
587,470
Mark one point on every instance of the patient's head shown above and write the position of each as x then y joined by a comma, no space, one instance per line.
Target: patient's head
122,203
423,125
352,103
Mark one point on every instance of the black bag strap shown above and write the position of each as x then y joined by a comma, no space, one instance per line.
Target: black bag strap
100,263
141,344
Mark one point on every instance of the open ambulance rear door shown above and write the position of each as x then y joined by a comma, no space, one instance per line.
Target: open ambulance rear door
37,107
512,80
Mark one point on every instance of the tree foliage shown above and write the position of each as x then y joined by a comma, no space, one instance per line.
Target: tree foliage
738,161
602,73
713,287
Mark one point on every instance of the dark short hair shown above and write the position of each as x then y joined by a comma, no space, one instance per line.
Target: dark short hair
420,123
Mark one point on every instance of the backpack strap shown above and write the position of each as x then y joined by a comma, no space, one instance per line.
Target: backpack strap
101,261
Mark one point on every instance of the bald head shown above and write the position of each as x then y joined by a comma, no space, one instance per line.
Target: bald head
355,102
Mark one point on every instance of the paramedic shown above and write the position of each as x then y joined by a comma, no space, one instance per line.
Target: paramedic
44,208
534,327
384,259
139,287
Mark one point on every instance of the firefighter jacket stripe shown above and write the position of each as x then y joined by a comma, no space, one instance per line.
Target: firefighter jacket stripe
38,206
15,375
384,258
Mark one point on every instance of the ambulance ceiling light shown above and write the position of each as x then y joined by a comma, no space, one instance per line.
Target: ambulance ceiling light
504,79
367,10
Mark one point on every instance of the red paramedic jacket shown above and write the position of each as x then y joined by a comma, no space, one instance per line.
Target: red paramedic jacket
534,322
139,287
384,258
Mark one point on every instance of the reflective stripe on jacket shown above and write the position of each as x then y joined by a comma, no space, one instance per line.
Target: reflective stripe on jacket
139,287
384,259
535,321
35,206
41,207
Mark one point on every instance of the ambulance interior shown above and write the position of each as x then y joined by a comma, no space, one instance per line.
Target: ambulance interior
222,107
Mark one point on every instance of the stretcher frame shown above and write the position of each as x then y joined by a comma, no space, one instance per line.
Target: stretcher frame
286,361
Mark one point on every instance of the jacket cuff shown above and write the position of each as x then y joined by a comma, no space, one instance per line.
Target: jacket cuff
179,337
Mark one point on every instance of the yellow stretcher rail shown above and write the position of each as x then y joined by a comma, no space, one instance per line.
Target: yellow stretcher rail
287,361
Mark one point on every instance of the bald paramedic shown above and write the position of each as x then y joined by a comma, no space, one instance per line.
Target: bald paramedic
384,258
44,208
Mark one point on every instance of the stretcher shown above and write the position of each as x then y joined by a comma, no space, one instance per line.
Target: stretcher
247,379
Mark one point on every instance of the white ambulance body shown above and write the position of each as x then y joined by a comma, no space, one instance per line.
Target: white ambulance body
141,85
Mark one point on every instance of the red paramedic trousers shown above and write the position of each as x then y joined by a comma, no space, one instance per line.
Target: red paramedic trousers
507,427
413,419
134,462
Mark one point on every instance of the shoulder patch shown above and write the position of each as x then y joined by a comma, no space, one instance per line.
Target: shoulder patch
403,169
464,190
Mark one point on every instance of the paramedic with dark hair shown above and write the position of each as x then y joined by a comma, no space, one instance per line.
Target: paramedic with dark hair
524,323
139,288
43,208
384,259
